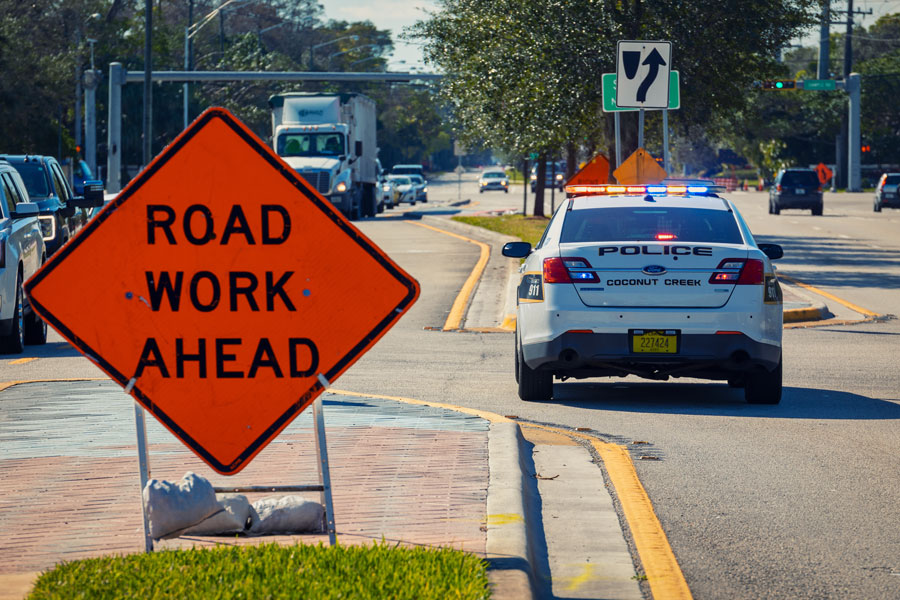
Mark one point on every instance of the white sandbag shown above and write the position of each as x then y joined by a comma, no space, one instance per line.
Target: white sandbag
173,507
233,518
286,514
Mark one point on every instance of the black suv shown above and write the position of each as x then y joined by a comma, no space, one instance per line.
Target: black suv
796,188
62,212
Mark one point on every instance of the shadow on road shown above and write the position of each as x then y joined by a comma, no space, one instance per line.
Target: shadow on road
717,399
867,266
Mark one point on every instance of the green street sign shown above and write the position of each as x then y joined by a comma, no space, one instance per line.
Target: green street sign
820,85
609,93
533,156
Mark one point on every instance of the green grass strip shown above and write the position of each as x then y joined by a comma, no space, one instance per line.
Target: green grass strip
527,229
273,571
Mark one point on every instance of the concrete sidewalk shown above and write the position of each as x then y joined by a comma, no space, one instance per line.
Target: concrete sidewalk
400,472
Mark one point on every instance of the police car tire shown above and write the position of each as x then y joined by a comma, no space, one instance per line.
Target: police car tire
764,387
534,385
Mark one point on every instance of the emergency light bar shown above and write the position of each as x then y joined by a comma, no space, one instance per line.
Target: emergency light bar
653,190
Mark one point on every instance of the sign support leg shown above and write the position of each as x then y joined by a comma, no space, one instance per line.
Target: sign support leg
641,128
144,466
324,473
618,140
665,113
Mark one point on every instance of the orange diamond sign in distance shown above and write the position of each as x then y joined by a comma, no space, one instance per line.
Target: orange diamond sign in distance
222,291
594,172
639,169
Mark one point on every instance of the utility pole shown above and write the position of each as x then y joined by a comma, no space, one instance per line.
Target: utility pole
824,33
148,82
844,152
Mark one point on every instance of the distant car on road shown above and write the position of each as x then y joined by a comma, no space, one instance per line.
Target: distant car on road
22,253
62,212
887,192
657,282
410,169
557,180
405,186
421,186
493,179
796,188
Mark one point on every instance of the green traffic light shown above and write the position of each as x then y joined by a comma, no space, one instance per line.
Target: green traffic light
779,84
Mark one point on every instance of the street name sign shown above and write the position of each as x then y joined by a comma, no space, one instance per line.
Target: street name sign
222,291
608,81
819,85
642,73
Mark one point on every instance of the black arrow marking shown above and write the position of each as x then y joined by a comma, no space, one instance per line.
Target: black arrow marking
654,61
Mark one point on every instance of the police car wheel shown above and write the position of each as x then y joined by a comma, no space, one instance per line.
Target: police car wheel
764,387
534,385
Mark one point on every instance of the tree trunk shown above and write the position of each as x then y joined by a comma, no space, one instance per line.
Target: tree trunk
541,173
571,159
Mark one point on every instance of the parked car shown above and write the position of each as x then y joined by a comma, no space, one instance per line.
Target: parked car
405,187
493,180
887,192
796,188
22,253
62,212
550,179
421,186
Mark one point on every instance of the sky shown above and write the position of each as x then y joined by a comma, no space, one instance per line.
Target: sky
397,14
385,14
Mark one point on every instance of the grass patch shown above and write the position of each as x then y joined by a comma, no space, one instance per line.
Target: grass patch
273,571
527,229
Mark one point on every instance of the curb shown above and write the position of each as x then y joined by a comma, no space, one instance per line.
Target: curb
508,547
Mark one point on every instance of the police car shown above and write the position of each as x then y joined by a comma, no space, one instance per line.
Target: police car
657,281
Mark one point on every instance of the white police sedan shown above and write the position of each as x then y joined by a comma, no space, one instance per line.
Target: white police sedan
655,281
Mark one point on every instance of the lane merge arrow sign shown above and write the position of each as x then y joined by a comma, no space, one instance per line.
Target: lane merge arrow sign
222,291
642,74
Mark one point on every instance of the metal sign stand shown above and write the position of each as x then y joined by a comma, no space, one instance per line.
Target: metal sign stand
324,486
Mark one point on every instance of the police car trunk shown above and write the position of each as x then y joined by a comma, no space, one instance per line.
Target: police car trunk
653,252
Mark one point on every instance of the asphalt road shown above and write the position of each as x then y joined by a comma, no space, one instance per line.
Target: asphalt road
797,500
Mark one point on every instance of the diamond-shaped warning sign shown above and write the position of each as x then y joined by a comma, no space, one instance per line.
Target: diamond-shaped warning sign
222,291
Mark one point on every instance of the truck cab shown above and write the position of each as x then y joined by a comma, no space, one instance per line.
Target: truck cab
329,140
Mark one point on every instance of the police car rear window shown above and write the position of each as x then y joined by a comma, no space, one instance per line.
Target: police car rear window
619,224
892,180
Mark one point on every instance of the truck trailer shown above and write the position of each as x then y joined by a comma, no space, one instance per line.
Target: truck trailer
329,140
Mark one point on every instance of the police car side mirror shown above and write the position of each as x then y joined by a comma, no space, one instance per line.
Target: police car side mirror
517,249
773,251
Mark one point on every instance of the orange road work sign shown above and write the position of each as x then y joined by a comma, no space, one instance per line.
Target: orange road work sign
639,168
824,173
595,172
222,291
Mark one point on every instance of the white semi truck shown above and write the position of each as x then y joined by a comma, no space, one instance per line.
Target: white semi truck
329,140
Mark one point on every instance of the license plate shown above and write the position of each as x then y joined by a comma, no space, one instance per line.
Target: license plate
800,191
655,341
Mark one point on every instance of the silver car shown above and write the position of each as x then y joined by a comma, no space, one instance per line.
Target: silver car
22,253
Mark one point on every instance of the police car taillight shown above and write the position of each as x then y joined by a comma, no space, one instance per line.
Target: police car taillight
557,270
739,271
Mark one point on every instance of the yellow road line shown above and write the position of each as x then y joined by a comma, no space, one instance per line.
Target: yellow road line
22,361
5,385
457,311
488,416
816,290
660,566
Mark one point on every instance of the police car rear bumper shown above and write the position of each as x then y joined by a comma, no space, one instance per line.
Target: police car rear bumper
708,356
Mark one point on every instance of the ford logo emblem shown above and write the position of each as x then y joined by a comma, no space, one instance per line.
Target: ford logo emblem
654,270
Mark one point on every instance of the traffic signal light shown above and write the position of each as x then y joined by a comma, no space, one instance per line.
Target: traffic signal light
779,84
866,148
